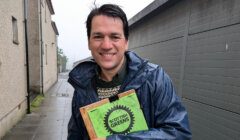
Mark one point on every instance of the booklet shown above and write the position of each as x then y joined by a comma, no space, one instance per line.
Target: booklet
115,115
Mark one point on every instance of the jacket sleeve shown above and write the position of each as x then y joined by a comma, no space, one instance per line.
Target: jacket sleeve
170,116
75,131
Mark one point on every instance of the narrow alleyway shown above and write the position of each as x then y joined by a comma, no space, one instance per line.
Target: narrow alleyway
50,121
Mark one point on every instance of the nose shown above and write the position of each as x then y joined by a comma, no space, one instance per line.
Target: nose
106,43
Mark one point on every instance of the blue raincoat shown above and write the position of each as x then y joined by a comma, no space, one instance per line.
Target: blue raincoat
165,115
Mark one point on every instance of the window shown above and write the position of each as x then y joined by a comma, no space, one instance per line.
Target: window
15,30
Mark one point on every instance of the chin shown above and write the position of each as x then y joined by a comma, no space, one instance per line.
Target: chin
108,66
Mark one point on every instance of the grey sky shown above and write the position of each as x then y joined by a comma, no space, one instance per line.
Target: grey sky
70,17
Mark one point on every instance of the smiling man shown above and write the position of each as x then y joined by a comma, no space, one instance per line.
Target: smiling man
115,70
108,45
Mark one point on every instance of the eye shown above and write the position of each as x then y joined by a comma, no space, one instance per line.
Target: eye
97,37
115,38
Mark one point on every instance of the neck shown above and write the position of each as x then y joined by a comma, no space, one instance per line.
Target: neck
107,75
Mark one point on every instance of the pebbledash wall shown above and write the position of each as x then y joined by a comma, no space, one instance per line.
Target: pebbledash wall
43,42
13,77
49,45
197,42
13,88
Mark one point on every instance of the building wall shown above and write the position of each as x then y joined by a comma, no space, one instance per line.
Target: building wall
42,35
211,82
197,43
13,80
34,43
12,66
50,50
162,40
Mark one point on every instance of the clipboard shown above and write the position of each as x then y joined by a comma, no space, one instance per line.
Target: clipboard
115,115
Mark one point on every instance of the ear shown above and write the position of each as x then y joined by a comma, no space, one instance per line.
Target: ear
89,48
126,45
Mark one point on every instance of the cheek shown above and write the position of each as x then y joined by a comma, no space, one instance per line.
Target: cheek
125,46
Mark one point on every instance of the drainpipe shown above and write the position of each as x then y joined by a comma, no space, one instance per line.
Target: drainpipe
41,44
27,60
57,56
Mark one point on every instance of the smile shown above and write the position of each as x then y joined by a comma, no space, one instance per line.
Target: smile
107,54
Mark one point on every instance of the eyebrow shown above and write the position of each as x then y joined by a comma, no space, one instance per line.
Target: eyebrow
99,33
118,34
96,33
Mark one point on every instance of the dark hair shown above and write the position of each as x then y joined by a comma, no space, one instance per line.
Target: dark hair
110,10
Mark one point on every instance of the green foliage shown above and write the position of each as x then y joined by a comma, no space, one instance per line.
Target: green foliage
36,102
62,60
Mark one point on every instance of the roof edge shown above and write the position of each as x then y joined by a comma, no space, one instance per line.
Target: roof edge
148,10
54,27
50,7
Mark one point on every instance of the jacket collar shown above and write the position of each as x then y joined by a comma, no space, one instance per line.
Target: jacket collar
82,74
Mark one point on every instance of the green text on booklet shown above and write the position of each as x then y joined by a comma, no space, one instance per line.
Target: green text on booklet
121,115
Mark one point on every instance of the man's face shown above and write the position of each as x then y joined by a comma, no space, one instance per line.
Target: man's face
107,42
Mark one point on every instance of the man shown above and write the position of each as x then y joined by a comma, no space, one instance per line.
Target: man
115,70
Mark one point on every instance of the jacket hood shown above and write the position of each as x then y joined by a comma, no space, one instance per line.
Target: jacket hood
82,74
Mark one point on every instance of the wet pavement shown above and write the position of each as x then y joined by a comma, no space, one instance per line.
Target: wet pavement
49,121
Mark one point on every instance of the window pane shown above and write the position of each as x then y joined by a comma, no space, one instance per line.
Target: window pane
15,30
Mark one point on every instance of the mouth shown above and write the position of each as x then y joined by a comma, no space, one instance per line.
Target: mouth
107,56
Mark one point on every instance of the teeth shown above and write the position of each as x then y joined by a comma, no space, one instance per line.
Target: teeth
107,54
